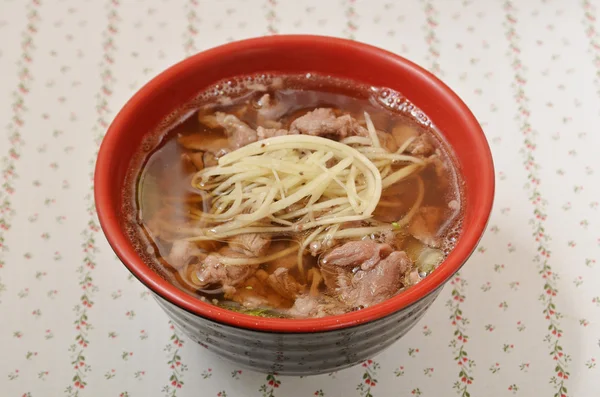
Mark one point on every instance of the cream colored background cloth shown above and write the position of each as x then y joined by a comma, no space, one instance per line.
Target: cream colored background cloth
527,303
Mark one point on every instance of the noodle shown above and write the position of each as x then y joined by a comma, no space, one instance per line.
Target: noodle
283,171
336,182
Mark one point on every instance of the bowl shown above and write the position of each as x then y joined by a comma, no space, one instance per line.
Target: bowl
295,346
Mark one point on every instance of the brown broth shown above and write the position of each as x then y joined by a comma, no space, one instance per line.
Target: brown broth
160,176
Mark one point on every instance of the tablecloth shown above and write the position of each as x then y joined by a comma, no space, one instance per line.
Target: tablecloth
521,318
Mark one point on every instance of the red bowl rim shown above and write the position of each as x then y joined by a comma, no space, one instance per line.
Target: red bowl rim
110,222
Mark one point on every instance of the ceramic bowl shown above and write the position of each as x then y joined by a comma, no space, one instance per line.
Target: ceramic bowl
295,346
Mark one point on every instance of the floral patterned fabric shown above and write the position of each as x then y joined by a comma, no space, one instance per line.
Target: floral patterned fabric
521,318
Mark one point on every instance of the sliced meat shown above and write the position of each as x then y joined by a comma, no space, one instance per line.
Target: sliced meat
330,275
248,298
251,244
212,272
238,132
352,255
441,171
438,165
425,225
364,253
285,284
364,273
183,252
186,163
270,112
204,143
264,133
208,120
367,288
313,307
253,293
323,122
404,132
387,141
194,159
421,146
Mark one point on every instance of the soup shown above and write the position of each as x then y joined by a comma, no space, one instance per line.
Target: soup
294,196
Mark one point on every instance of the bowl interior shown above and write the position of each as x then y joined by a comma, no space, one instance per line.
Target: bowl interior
295,54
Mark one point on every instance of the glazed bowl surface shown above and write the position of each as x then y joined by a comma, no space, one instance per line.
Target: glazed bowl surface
295,346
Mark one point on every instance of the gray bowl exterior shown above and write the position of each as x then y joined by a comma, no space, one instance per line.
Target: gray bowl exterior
298,353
